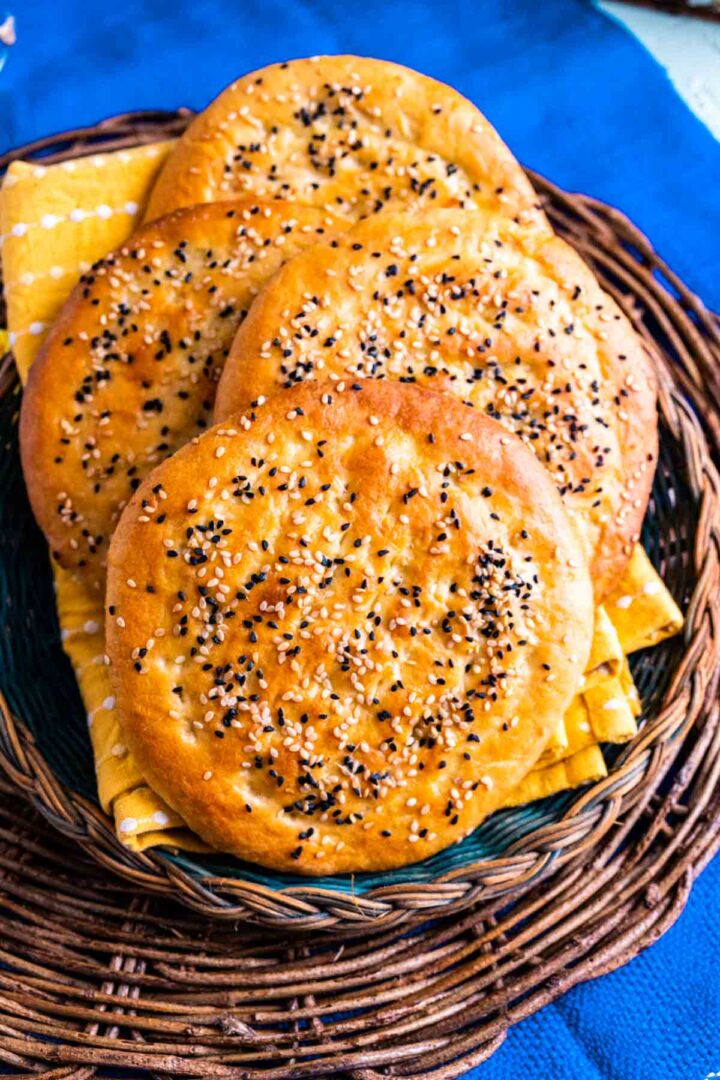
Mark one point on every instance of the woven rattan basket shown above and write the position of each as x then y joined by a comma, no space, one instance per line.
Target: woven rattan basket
534,919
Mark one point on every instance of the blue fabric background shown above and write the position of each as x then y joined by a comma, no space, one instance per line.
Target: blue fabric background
579,100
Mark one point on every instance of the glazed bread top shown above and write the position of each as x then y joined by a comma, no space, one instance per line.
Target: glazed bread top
508,319
343,626
128,373
347,133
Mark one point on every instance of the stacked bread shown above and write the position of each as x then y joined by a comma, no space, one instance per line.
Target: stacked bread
354,445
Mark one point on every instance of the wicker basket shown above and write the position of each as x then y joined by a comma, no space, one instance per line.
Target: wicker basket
99,978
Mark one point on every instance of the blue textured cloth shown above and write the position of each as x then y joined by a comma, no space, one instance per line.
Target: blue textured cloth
579,100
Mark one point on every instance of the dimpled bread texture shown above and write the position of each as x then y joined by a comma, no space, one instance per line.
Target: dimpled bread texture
347,133
129,372
342,628
508,319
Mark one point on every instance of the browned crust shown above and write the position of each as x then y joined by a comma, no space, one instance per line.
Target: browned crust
622,355
550,290
35,435
425,118
92,451
403,417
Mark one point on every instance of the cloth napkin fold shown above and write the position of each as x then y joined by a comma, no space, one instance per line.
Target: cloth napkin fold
55,221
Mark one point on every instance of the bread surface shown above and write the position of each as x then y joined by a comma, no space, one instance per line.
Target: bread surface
343,626
348,133
509,319
129,372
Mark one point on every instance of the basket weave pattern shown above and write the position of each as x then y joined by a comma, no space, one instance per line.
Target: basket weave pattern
188,996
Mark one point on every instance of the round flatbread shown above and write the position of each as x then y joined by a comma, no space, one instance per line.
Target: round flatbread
510,320
349,134
343,627
128,373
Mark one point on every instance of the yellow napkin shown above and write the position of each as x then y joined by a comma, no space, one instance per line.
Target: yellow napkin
638,603
57,220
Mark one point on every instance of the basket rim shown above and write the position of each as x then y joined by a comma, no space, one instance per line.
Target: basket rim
684,398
